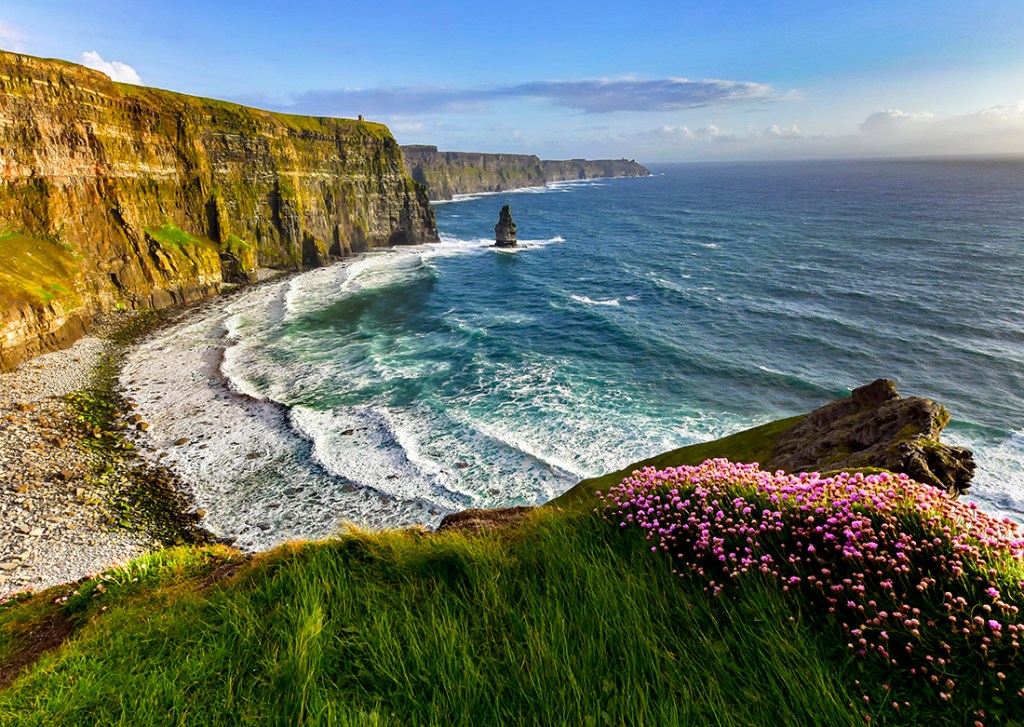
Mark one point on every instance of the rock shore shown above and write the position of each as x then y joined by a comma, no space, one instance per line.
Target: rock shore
876,427
68,507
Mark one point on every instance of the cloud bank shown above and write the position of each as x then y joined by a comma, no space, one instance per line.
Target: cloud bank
885,133
980,125
117,70
599,96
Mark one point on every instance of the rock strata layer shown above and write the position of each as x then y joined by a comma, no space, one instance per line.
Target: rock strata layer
114,195
876,427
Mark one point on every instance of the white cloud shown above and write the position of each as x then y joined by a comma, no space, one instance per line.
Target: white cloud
679,135
886,133
684,133
994,130
894,120
783,132
11,37
591,96
117,70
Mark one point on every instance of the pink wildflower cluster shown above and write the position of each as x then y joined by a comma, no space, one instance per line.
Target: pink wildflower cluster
907,571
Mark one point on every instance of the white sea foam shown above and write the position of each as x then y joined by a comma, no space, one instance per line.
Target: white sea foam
242,461
265,473
364,446
412,453
589,301
480,195
998,483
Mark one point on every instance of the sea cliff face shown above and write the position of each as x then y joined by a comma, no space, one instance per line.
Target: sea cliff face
572,169
447,173
123,196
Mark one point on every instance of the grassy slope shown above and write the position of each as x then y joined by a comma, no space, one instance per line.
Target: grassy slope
563,621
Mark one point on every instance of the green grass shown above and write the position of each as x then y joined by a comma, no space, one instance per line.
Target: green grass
237,244
750,445
250,116
563,621
36,270
170,237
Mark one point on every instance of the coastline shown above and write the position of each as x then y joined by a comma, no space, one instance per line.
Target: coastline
70,509
289,493
74,497
291,501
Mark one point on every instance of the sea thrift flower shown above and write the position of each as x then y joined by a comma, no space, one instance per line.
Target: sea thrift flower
902,568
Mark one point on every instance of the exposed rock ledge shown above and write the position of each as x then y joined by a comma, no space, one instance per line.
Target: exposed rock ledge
876,427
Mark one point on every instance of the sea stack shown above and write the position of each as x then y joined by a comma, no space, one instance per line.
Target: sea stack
505,230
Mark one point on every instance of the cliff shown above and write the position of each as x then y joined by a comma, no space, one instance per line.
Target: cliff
447,173
572,169
124,196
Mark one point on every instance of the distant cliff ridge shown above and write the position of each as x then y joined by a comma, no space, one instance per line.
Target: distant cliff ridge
116,195
447,173
571,169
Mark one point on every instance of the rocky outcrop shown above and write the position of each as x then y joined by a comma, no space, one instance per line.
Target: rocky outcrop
447,173
505,230
115,195
573,169
876,427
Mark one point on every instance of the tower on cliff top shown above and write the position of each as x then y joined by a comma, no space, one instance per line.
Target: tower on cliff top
505,230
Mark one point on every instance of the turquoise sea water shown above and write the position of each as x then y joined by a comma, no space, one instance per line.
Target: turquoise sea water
639,315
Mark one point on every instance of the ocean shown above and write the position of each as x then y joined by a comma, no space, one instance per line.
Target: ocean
637,315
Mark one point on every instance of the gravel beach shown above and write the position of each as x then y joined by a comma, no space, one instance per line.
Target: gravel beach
58,512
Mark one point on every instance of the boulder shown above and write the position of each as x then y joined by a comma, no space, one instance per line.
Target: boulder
505,230
876,428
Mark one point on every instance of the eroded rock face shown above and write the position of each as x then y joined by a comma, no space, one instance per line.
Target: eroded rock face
876,427
115,195
505,230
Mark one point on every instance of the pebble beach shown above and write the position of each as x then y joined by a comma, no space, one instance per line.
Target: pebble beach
58,516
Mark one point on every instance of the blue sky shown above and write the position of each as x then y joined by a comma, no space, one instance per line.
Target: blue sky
656,81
